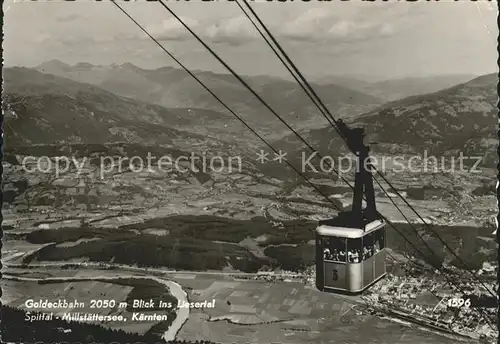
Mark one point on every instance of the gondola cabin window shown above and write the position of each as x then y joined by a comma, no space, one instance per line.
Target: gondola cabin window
379,240
368,246
334,249
354,249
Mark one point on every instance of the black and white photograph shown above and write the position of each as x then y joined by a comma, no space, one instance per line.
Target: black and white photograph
250,172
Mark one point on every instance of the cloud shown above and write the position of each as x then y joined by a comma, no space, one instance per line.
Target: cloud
172,29
320,25
233,31
306,25
41,37
342,29
313,25
386,29
354,31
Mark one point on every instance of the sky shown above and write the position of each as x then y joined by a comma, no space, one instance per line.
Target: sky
373,40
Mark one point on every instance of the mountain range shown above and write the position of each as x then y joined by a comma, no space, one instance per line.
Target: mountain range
174,88
51,109
45,109
462,118
400,88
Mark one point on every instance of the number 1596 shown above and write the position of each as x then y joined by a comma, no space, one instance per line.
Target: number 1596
458,302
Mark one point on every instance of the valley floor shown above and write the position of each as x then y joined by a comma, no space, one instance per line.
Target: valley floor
215,233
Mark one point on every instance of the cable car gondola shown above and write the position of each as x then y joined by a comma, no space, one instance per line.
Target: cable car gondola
350,248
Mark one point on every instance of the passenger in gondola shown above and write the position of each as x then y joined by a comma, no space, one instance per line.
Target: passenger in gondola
366,253
335,255
353,256
326,254
356,256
